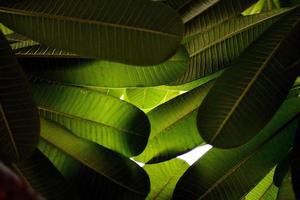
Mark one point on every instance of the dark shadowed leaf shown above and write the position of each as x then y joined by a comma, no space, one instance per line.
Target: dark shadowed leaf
107,74
215,15
139,32
238,170
217,48
295,164
91,170
40,174
248,94
19,121
281,170
163,178
173,127
194,8
286,191
95,116
264,190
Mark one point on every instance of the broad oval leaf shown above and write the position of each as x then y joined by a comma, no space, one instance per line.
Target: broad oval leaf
215,49
41,175
248,94
163,178
95,116
173,126
19,121
107,74
138,32
91,170
245,165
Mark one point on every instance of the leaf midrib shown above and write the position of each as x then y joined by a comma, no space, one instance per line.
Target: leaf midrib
75,117
250,84
235,32
27,13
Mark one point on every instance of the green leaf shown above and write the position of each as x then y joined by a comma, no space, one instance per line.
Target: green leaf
107,74
91,170
218,47
286,191
163,178
215,15
137,32
264,190
148,98
19,121
194,8
238,170
248,94
40,174
281,170
262,6
173,127
95,116
5,30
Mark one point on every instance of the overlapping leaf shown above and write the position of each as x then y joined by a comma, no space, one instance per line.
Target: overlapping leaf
138,32
248,94
215,15
264,190
107,74
217,48
91,170
163,178
286,191
95,116
173,127
238,170
19,122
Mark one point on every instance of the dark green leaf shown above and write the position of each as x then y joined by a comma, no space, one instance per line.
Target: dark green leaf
238,170
138,32
248,94
163,178
218,47
95,116
215,15
281,170
19,121
286,191
107,74
194,8
40,174
295,164
91,170
264,190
